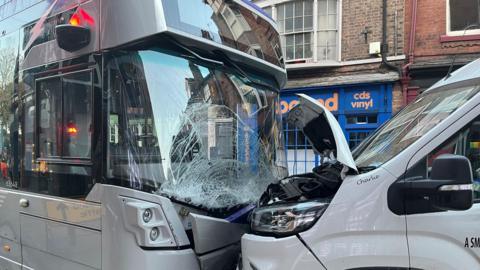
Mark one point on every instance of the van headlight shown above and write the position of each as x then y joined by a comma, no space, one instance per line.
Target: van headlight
287,219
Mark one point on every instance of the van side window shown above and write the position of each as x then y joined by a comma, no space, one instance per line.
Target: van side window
465,143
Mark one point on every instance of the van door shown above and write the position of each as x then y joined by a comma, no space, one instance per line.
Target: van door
447,239
58,228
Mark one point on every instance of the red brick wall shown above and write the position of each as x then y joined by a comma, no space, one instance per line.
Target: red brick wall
431,26
397,98
358,14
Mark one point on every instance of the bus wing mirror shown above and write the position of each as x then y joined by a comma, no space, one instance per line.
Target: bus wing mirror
72,37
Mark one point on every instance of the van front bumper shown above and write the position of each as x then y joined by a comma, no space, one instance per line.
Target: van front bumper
269,253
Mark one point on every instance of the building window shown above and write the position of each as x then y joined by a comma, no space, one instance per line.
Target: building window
327,30
463,17
303,40
295,23
298,46
362,119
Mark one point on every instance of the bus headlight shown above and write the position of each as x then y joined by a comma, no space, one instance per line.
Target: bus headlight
147,215
287,219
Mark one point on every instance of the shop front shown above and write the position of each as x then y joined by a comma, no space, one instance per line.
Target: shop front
360,109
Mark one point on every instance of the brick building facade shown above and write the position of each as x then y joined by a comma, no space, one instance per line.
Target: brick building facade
333,51
439,33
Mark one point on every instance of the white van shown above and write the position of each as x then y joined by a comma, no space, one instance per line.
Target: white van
407,198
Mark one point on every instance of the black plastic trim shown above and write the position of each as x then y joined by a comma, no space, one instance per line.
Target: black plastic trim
384,268
167,248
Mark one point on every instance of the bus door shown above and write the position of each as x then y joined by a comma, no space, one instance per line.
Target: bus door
59,229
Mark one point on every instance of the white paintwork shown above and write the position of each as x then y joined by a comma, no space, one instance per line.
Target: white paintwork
312,109
356,227
359,230
435,246
269,253
467,72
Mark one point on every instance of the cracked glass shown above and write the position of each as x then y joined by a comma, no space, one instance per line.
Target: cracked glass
198,134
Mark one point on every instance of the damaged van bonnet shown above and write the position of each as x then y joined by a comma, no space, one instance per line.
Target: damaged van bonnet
408,197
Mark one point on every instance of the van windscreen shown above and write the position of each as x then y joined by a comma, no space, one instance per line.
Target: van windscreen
414,121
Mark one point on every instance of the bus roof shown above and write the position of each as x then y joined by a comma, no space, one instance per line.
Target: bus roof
237,27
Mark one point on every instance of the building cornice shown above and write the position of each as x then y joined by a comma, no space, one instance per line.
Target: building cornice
343,80
343,63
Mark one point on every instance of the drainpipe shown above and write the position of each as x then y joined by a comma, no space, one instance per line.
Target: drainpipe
411,52
384,49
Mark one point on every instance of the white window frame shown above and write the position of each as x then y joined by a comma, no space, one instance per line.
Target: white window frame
457,33
314,59
295,47
339,33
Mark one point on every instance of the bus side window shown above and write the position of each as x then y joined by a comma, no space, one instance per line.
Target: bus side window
63,165
49,96
465,143
28,139
77,115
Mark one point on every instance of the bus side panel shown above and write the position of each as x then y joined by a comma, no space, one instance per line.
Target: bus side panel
45,261
10,252
55,245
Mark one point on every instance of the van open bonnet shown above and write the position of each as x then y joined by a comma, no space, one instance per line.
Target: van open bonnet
324,133
321,129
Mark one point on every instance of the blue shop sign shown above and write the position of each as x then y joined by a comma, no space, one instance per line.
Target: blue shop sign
362,98
365,100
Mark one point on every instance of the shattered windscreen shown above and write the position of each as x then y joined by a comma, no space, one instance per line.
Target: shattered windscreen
198,134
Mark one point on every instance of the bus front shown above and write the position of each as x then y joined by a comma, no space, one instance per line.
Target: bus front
193,127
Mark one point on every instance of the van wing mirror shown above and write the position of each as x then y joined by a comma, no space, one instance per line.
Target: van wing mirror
72,37
453,173
450,187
